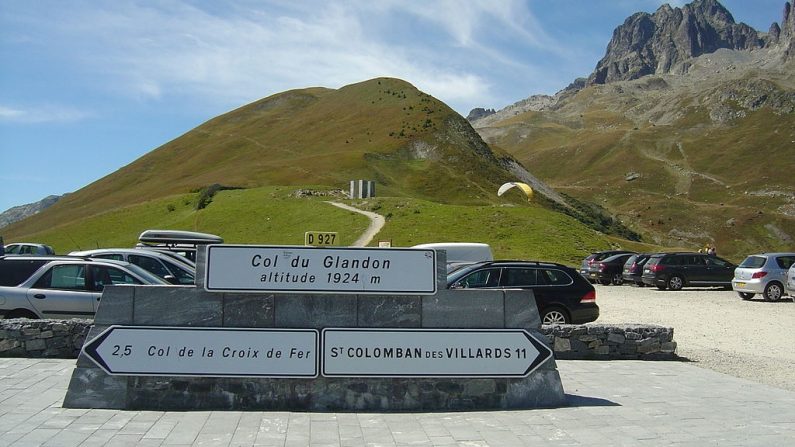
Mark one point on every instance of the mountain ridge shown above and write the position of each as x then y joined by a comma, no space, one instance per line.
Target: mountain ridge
685,157
672,39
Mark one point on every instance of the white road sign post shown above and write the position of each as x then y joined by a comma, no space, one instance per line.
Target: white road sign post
351,352
296,269
207,352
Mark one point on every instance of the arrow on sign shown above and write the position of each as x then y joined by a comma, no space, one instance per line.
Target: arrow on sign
208,352
350,352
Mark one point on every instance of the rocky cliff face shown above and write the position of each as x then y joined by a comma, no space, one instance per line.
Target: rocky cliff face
478,113
787,35
20,212
658,43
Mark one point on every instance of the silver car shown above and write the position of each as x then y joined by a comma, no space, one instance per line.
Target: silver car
176,270
28,248
61,286
764,274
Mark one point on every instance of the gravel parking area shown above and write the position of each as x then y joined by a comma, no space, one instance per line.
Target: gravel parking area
714,328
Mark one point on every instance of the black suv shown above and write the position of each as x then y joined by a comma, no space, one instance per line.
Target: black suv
676,270
596,257
609,270
633,268
562,295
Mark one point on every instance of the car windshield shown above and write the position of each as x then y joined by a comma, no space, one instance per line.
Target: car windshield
148,278
460,273
654,260
753,262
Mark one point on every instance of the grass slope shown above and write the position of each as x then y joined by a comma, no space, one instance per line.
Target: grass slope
266,215
384,129
700,180
274,215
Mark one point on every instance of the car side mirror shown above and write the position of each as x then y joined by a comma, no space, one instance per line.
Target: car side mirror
172,279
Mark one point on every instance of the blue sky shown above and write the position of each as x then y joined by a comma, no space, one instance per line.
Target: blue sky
87,87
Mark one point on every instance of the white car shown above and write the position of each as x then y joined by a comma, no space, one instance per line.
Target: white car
174,269
61,286
461,254
790,286
764,274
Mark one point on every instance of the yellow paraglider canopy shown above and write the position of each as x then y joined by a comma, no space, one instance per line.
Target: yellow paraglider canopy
523,186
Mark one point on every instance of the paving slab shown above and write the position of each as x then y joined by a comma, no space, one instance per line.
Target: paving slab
610,403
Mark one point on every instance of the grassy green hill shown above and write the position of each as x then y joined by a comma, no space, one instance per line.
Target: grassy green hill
423,156
276,215
682,161
384,130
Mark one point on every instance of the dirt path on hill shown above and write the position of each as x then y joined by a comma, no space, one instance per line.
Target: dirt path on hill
376,223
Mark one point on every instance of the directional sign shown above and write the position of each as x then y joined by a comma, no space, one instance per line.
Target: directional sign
349,352
209,352
297,269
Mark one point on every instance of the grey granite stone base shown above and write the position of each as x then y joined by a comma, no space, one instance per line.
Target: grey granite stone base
92,387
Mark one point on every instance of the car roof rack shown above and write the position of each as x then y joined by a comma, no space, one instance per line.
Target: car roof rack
175,237
520,261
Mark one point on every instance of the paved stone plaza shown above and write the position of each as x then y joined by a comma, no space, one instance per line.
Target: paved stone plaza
610,404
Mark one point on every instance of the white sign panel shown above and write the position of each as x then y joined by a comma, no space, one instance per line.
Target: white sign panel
350,352
294,269
209,352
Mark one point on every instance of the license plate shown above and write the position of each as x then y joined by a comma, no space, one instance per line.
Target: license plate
740,284
593,275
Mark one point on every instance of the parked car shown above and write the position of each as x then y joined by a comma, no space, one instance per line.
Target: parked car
595,257
461,254
176,270
562,295
61,286
790,286
764,274
176,242
633,268
684,269
609,270
28,248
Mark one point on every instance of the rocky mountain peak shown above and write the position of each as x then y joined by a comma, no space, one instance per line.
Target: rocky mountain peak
787,36
478,113
658,43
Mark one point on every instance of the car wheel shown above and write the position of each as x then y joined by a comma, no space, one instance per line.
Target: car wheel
21,313
618,279
554,315
745,295
604,282
676,282
773,292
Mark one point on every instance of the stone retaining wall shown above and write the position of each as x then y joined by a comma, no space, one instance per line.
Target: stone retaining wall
61,339
64,338
611,342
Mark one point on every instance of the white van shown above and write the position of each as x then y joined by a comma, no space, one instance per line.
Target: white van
461,253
